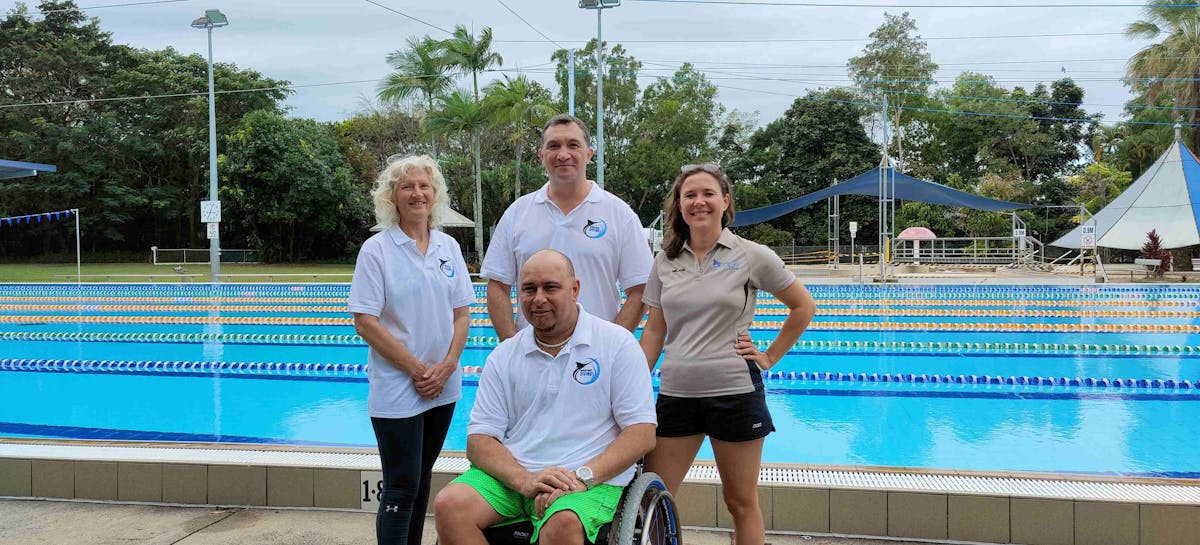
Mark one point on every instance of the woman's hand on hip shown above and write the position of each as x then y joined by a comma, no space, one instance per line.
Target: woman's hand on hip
749,352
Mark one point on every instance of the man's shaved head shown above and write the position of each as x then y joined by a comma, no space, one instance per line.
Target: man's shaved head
550,255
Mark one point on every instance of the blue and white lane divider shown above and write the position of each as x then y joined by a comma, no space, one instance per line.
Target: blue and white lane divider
360,370
484,342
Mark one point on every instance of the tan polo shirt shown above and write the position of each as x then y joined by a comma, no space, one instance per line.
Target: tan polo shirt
706,304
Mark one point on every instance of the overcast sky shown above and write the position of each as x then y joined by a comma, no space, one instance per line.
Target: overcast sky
325,42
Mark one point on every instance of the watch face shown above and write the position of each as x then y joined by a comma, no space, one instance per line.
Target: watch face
584,473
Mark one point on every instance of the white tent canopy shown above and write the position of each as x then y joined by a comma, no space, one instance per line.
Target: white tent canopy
1165,198
450,218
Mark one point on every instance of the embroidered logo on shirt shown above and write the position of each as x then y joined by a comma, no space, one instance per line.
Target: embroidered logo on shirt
595,228
446,267
731,265
586,372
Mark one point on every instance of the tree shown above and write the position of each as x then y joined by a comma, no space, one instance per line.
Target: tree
469,54
1099,184
982,127
675,124
897,65
1170,67
135,168
372,135
620,93
818,141
289,191
461,114
418,69
523,104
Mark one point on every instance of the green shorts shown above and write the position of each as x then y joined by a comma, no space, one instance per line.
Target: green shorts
595,507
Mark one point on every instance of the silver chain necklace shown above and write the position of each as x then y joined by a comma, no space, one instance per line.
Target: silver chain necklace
548,345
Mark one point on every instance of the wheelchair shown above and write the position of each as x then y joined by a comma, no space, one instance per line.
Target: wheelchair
646,515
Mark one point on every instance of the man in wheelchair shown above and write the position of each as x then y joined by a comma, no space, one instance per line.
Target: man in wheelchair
563,411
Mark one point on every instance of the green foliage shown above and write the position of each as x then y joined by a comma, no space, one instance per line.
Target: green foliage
135,168
675,123
620,93
1169,67
896,64
1007,141
522,106
1098,184
818,141
765,234
289,191
371,136
469,55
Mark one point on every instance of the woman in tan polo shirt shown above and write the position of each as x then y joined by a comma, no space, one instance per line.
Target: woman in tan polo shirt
702,293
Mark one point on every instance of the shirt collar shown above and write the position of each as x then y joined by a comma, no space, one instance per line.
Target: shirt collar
542,195
581,337
727,239
400,238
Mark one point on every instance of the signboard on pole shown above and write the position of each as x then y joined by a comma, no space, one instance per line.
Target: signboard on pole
210,212
1087,237
212,230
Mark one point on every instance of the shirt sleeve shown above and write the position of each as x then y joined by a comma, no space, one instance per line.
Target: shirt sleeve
632,394
464,294
653,293
767,271
499,263
367,292
489,415
635,259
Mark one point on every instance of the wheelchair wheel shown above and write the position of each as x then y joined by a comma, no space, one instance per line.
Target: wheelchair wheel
647,515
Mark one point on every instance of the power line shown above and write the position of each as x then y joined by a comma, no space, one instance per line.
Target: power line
956,112
845,5
528,24
915,93
428,24
289,87
81,8
830,40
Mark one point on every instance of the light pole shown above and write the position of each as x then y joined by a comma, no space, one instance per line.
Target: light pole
210,212
599,6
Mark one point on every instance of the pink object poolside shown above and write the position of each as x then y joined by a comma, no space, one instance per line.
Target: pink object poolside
916,233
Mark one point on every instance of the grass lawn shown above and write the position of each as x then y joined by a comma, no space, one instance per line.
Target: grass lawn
145,272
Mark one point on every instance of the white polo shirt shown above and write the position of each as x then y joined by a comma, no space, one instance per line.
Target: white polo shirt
602,236
564,410
414,297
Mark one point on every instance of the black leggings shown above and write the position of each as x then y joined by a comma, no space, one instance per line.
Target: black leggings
408,447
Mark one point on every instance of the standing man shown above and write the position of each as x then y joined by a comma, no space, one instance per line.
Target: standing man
563,411
597,231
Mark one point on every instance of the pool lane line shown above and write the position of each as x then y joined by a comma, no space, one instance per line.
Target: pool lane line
757,325
357,373
763,301
947,348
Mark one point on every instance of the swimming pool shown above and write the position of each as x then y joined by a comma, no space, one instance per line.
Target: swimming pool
1006,378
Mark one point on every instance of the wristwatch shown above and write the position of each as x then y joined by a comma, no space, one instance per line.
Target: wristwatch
584,473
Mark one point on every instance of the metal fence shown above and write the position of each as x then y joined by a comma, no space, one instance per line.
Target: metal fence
185,256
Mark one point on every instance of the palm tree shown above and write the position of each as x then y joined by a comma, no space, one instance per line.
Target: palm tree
417,69
1172,65
459,113
522,103
465,53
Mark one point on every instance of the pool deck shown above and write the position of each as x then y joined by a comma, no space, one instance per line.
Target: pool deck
78,523
861,502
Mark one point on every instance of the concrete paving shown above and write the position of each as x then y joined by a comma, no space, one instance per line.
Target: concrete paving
28,522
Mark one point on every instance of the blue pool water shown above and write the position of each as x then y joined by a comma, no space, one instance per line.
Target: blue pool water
885,378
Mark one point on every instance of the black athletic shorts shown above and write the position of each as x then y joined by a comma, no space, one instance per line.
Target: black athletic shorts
733,418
